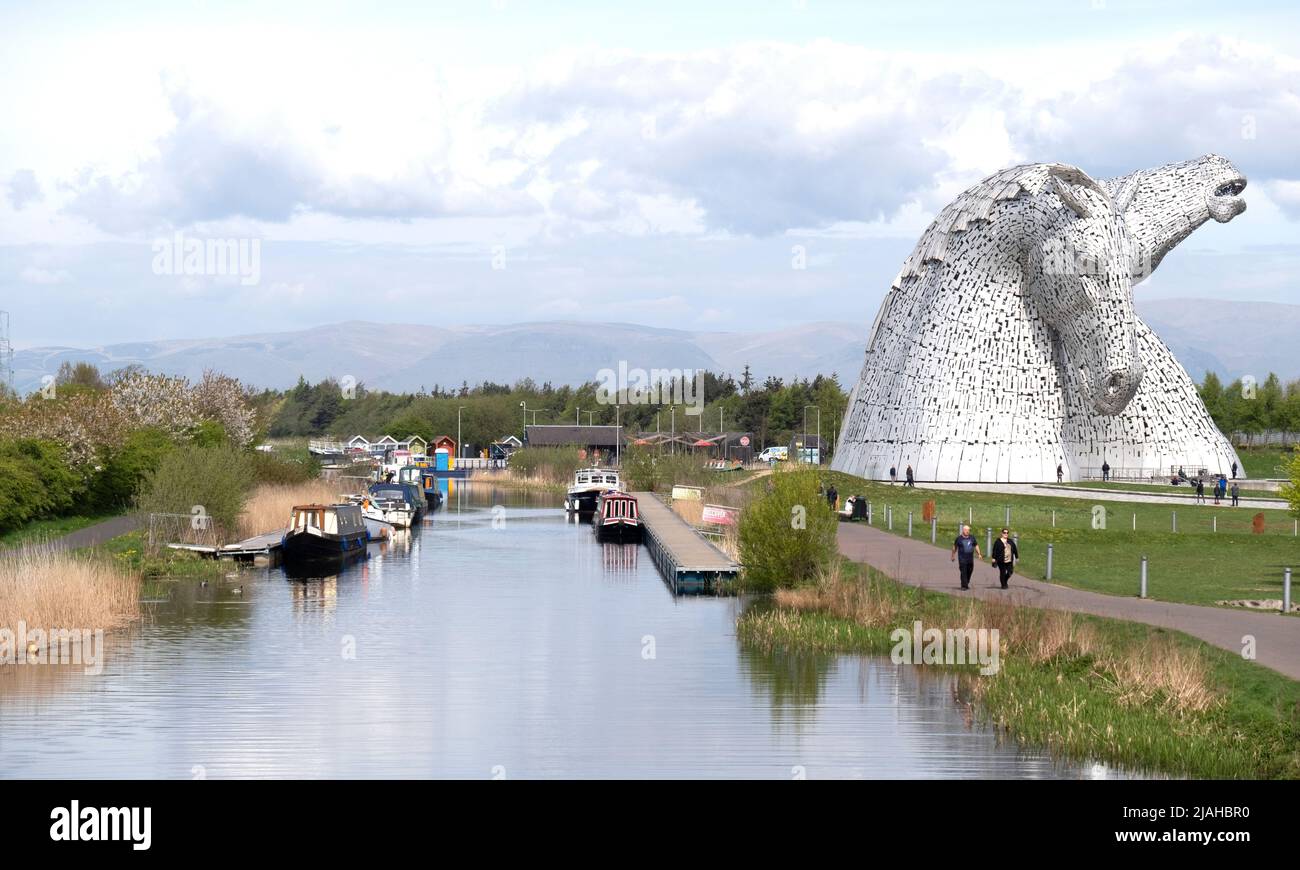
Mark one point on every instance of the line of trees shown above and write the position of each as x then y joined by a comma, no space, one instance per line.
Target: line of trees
773,410
1253,407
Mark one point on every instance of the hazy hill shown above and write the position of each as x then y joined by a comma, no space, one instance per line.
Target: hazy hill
1232,338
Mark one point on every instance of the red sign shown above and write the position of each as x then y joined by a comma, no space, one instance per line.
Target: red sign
744,440
720,515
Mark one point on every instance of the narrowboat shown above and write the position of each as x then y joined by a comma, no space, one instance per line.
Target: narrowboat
617,517
588,484
324,533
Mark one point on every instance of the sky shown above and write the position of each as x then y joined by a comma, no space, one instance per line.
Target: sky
720,166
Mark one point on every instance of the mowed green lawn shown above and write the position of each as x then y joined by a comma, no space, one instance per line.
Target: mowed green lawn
1194,565
1263,462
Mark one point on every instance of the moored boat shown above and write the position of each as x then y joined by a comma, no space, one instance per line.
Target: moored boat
393,511
588,484
404,491
617,517
324,533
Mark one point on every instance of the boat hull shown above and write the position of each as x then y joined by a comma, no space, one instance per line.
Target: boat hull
582,501
303,548
622,532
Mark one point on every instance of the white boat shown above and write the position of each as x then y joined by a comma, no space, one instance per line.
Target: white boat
588,484
393,511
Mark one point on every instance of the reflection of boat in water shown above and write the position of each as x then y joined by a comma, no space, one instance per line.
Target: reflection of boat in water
588,484
619,557
321,595
321,537
617,517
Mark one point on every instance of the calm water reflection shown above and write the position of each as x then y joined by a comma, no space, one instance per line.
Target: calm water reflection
498,639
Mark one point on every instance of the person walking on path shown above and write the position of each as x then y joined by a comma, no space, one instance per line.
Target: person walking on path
1060,473
911,480
1105,471
1236,493
1005,553
893,475
1200,491
965,550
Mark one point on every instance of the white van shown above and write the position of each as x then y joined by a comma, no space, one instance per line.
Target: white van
774,454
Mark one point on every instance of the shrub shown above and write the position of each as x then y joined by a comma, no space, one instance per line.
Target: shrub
123,468
35,482
216,479
288,467
787,535
556,464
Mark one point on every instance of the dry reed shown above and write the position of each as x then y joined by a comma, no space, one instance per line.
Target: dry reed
50,588
267,509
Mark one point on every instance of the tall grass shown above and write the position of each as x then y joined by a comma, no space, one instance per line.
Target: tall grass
267,509
50,588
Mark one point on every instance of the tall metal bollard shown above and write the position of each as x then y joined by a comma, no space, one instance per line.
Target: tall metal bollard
1143,593
970,515
1053,518
909,524
934,529
1214,525
988,541
868,513
1174,520
1008,522
1049,561
1286,591
1135,521
889,511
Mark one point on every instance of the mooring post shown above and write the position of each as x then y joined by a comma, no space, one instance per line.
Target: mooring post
934,529
1143,593
1049,561
1286,591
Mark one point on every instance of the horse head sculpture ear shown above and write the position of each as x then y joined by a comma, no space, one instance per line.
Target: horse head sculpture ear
1071,184
1124,194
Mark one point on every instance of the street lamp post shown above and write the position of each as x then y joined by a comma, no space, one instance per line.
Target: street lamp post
459,452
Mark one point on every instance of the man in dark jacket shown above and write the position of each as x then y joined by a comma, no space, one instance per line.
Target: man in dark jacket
1005,554
911,480
965,550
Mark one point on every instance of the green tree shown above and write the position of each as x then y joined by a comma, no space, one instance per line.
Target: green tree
215,480
787,535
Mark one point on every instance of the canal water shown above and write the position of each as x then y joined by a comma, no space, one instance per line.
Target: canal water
498,640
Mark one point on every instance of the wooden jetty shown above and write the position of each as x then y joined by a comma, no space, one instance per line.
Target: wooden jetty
688,562
259,549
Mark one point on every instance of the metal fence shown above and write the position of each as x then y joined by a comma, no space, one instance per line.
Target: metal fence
1271,438
195,529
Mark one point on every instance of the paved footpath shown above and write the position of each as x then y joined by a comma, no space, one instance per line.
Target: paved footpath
1050,491
93,536
917,563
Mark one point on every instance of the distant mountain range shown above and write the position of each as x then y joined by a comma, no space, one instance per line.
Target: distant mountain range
1231,338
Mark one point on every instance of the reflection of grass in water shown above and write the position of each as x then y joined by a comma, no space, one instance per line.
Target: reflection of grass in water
1083,687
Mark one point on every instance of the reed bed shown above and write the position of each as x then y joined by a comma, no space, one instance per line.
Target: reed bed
268,507
1083,687
47,587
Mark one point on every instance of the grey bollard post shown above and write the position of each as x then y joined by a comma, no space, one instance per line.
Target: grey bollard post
1049,561
1143,593
988,540
970,515
1053,518
934,529
1135,521
1174,520
1286,591
1214,526
909,524
889,512
1008,522
868,513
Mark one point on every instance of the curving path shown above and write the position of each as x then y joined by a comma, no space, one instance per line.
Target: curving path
918,563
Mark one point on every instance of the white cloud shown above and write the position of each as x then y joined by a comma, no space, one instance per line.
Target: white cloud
37,275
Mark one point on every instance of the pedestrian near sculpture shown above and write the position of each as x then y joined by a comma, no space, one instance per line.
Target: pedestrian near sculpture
965,550
893,475
1200,491
1236,493
911,479
1105,471
1004,556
